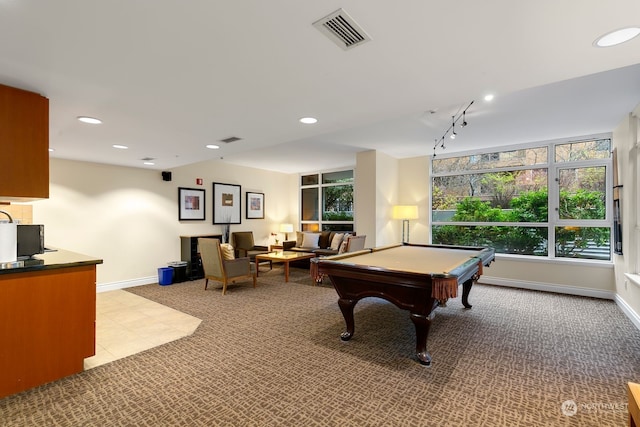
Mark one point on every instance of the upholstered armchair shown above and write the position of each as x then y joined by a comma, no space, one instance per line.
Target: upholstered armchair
217,268
244,245
355,243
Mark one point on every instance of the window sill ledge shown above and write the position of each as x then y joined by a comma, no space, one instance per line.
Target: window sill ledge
634,278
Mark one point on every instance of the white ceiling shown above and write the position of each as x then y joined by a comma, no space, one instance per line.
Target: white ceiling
169,77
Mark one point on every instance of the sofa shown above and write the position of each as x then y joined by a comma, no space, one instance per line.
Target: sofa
321,243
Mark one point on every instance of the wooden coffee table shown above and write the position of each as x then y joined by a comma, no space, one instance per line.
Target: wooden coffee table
284,257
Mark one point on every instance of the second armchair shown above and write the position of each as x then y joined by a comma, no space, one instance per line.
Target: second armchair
244,245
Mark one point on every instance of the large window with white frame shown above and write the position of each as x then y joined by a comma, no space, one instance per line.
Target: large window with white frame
326,201
548,200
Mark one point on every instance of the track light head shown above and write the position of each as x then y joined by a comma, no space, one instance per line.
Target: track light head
453,127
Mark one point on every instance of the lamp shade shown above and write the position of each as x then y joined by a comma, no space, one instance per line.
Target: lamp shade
286,228
405,212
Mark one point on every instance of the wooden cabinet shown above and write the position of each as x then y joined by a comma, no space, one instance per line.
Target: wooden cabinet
47,325
189,252
633,391
24,145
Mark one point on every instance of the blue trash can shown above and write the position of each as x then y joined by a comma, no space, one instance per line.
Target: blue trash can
165,276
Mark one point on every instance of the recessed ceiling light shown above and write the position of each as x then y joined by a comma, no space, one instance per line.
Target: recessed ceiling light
212,146
488,97
149,163
308,120
121,147
90,120
616,37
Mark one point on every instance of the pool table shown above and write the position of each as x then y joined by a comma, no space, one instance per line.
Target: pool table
414,277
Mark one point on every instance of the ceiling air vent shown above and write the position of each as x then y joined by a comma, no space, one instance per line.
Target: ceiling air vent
342,29
230,139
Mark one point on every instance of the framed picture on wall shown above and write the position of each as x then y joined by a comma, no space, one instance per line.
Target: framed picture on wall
191,204
255,205
226,203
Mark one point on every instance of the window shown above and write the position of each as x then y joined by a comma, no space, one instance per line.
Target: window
546,201
327,201
310,204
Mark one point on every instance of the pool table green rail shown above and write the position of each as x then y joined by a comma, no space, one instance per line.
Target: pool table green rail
418,290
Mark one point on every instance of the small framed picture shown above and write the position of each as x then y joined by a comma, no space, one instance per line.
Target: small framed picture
226,203
255,205
191,204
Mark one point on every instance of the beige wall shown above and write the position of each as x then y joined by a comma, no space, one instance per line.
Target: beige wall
129,216
626,140
381,183
387,230
414,184
365,196
376,191
571,277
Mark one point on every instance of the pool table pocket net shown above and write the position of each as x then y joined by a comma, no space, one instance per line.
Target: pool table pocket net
443,288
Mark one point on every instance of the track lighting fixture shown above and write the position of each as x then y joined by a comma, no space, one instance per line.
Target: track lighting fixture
452,128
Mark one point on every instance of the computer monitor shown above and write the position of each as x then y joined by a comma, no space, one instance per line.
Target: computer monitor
30,240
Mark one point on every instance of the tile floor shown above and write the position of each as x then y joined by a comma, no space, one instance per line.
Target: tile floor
127,324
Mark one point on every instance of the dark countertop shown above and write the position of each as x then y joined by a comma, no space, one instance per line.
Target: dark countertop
58,258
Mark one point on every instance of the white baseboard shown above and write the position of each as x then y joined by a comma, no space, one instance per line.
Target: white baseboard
546,287
564,289
104,287
626,309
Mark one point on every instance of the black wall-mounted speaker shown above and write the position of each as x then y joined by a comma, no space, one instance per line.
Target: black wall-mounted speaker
166,176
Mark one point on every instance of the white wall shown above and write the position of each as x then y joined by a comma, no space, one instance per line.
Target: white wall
129,216
626,140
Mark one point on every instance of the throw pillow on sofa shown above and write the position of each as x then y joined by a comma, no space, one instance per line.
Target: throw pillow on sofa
227,251
345,242
325,239
337,239
310,240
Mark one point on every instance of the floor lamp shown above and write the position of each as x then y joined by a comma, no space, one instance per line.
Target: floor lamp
405,213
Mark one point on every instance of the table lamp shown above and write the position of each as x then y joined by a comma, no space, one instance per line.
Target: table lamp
286,229
405,213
